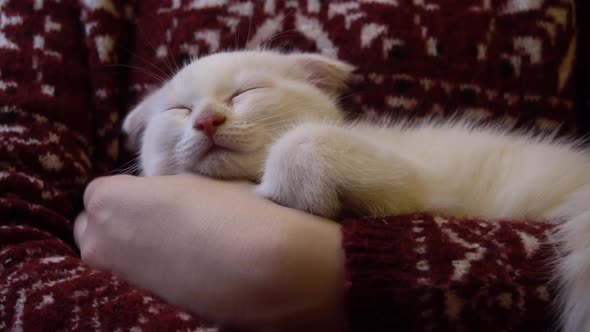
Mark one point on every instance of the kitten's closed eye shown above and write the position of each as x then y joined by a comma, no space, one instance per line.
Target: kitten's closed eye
244,91
183,110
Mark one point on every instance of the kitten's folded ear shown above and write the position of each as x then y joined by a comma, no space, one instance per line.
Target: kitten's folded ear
134,125
327,74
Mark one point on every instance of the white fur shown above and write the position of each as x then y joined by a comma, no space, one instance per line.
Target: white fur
290,137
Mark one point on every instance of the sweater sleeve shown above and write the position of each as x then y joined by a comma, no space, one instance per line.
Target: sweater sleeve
58,105
428,273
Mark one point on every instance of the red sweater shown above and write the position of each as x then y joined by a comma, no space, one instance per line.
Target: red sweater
61,101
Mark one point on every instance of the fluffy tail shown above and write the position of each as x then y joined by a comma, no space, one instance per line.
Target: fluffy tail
573,265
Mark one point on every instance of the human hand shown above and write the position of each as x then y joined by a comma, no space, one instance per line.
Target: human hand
216,249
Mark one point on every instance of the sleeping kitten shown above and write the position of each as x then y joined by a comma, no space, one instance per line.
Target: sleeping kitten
273,119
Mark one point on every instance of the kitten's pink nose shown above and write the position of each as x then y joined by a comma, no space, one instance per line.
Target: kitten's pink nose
208,122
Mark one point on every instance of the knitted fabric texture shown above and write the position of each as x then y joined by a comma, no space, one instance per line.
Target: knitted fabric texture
62,98
60,105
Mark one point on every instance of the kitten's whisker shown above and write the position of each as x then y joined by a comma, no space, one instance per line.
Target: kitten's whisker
270,117
170,55
151,45
275,37
163,72
142,70
177,67
350,95
169,164
282,114
234,164
274,123
166,61
147,62
262,44
171,72
155,51
249,30
237,37
130,166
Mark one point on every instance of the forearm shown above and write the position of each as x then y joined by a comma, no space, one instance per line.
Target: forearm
217,249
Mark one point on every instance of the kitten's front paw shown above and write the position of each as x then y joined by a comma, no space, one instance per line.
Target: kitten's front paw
297,174
300,196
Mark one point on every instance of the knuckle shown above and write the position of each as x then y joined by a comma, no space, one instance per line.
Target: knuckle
90,252
97,195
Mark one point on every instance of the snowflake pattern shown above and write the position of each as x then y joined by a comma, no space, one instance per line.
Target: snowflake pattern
62,105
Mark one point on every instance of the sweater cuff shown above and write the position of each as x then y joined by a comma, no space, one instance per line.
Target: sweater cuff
427,273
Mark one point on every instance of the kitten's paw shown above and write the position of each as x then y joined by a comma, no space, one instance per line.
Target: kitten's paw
298,174
301,197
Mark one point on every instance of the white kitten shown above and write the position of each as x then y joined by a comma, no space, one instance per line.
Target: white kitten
272,118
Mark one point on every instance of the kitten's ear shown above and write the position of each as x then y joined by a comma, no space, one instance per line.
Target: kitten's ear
327,74
134,125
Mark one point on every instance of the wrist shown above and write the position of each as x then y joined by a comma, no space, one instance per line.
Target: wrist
309,265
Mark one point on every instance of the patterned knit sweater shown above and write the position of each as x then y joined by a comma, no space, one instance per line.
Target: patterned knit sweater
64,87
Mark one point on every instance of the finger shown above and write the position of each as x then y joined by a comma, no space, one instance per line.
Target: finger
101,182
90,189
80,225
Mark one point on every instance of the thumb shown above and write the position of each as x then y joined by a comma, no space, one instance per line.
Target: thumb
105,191
80,228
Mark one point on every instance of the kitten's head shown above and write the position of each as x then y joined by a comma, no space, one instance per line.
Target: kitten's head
219,115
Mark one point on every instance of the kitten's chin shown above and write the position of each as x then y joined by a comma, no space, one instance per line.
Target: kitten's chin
221,175
220,166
